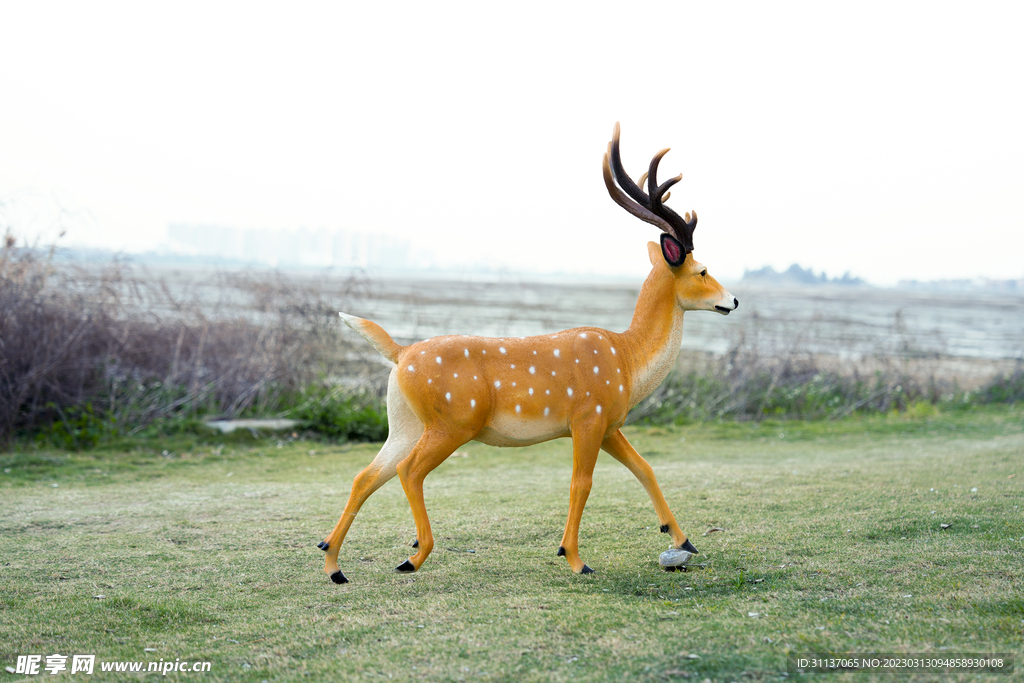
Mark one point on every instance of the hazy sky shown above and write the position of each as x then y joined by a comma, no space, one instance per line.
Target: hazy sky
881,138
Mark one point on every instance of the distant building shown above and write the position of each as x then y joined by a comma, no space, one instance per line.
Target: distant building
319,248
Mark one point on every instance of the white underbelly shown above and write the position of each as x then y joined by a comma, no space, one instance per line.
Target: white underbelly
520,433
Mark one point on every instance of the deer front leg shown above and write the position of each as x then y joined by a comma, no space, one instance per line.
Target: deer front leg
431,450
585,446
619,448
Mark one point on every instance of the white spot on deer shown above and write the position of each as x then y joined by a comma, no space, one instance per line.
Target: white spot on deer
411,369
502,349
600,337
620,387
513,366
513,383
613,350
474,376
455,375
519,408
569,390
618,370
599,410
583,335
448,395
533,370
596,369
531,391
546,410
552,373
557,353
423,353
483,351
577,360
438,359
607,381
535,353
430,381
497,384
472,403
595,351
588,393
466,351
547,391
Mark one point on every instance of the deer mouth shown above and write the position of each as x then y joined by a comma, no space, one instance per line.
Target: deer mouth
725,310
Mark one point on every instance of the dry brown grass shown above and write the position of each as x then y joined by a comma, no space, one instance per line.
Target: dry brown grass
750,382
105,340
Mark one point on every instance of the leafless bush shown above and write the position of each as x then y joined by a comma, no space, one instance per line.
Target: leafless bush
754,381
135,349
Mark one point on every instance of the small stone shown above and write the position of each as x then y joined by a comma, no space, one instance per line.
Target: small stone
674,557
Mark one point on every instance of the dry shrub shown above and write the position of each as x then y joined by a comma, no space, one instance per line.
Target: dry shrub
755,380
103,348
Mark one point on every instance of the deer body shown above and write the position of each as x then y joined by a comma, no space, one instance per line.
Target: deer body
580,383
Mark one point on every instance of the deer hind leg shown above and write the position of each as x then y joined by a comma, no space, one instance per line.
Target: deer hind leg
585,446
404,430
619,448
433,448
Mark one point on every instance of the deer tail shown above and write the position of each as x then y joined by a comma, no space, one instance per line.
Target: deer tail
375,334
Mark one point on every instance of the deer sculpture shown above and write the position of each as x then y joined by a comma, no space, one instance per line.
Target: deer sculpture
580,383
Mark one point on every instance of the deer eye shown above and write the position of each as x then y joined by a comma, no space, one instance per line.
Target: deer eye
704,272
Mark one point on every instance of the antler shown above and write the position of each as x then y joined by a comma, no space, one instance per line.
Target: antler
646,207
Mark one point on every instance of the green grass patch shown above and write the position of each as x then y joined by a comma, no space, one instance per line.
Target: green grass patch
201,547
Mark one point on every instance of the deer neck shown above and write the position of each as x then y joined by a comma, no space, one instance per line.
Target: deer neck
654,336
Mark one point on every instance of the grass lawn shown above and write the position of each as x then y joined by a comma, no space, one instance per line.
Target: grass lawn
831,541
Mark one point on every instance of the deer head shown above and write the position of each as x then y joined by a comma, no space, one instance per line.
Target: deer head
695,289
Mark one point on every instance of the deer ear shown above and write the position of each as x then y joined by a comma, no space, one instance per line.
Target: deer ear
672,250
654,253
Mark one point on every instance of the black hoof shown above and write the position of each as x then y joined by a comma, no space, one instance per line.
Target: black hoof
338,578
405,567
561,551
689,547
323,545
587,570
416,543
672,569
664,528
